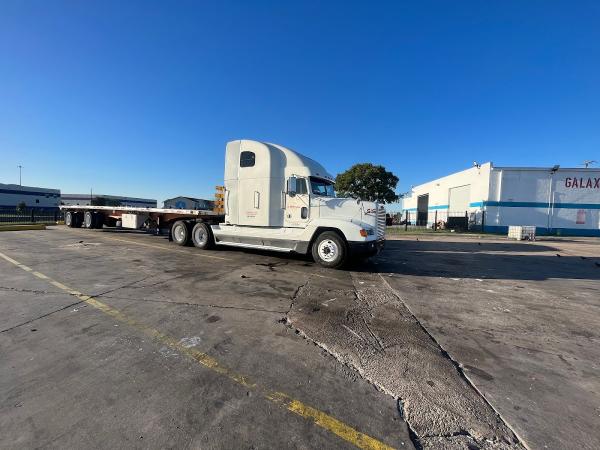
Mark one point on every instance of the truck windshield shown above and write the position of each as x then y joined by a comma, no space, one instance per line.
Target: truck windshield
322,187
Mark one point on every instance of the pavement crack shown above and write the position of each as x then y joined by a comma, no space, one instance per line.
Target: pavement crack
126,285
203,305
158,282
285,319
42,316
29,291
374,336
64,307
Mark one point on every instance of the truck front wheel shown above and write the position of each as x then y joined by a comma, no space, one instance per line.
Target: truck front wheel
202,236
180,233
329,250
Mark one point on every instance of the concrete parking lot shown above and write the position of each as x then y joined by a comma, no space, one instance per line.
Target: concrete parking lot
121,339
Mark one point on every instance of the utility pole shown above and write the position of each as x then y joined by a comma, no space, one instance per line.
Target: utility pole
20,167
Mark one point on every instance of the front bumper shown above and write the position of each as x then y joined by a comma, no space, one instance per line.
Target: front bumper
367,248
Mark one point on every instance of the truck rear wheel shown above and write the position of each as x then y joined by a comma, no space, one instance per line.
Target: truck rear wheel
180,232
329,250
202,236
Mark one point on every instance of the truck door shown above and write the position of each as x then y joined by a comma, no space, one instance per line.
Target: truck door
297,204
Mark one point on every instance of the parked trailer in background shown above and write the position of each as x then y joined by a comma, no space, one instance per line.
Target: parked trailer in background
274,199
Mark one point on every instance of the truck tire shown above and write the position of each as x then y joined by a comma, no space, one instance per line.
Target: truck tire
180,232
98,220
329,250
69,219
89,220
202,236
77,220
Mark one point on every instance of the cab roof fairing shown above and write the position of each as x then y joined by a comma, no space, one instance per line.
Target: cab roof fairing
303,165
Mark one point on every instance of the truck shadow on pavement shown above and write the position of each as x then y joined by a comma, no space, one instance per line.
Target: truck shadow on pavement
459,259
491,260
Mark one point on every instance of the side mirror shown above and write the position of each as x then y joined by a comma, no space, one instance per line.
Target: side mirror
291,186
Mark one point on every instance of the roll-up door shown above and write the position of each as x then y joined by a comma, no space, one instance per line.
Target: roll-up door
459,198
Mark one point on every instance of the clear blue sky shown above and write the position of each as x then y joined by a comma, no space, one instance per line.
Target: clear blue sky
139,98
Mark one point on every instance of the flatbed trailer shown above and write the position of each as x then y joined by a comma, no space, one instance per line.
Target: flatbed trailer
151,219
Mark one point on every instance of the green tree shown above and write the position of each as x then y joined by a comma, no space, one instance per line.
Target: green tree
367,182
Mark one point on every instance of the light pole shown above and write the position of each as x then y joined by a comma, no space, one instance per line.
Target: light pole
20,167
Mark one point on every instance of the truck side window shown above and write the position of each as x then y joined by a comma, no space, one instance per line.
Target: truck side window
247,159
301,186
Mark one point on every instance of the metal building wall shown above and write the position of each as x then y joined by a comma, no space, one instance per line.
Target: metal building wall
565,201
33,197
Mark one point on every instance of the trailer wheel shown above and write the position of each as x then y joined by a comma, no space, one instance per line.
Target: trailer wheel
329,250
77,220
180,232
202,236
88,220
69,219
98,220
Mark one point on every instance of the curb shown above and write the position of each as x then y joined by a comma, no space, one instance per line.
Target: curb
22,227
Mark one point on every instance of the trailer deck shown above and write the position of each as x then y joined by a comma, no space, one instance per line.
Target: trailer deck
137,209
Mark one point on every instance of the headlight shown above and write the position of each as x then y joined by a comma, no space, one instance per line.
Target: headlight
364,232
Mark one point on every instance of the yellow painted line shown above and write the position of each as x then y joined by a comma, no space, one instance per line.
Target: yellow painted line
281,399
40,275
347,433
16,263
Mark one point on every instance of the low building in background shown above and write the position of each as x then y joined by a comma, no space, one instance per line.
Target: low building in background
13,196
188,203
555,200
106,200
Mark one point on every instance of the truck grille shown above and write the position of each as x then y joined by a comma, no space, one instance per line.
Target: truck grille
381,222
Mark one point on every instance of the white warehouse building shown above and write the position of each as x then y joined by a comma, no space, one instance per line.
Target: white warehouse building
556,200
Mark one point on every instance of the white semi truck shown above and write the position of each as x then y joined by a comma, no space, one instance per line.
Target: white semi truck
274,199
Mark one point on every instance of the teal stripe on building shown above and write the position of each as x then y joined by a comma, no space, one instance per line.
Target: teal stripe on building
519,205
535,205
